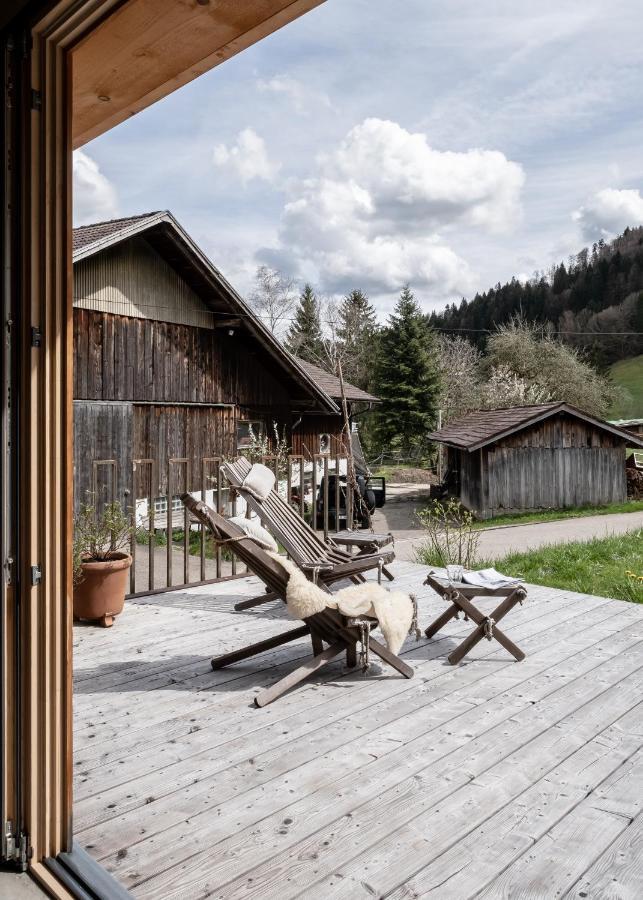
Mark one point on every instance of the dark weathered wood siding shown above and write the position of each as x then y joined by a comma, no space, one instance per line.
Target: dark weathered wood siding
170,432
554,464
147,389
102,431
307,435
470,480
125,358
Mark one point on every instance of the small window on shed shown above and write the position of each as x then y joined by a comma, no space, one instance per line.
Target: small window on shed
324,443
249,434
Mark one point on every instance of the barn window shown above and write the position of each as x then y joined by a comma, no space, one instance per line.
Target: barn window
249,434
324,443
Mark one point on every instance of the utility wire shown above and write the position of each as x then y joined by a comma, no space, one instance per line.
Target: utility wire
242,315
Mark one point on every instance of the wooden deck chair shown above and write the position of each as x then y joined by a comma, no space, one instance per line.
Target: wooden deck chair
329,627
301,542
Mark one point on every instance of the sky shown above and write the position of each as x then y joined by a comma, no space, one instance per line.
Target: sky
448,144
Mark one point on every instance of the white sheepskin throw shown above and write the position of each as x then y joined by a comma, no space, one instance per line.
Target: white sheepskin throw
392,609
303,597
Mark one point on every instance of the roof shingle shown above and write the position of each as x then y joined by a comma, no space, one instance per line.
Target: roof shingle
84,235
331,384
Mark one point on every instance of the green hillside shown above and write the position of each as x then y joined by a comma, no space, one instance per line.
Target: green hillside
628,373
594,301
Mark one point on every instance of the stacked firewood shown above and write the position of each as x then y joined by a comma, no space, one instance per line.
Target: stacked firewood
634,483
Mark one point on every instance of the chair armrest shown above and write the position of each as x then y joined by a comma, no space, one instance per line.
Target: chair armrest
358,564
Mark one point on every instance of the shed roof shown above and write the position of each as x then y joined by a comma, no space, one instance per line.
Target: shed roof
331,384
486,426
163,232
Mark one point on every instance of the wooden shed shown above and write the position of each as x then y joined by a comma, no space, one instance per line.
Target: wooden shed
548,456
172,369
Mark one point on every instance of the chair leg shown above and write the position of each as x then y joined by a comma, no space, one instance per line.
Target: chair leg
351,656
237,655
393,660
441,621
268,597
388,573
267,696
479,632
318,644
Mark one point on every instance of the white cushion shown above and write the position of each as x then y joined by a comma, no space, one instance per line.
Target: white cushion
254,529
259,481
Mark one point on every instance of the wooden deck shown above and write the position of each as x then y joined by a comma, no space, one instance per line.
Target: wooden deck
493,778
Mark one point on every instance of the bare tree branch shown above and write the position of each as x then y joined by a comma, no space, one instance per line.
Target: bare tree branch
273,298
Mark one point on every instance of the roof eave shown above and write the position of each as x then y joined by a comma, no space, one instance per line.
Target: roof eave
123,234
255,325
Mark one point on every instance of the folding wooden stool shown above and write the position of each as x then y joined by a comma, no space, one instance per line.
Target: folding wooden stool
459,596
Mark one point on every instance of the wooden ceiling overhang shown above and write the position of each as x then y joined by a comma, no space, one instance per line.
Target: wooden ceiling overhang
148,48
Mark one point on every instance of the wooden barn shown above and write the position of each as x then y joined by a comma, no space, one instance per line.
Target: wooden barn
172,369
548,456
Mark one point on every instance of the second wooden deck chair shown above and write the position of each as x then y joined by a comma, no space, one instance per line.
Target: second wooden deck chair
301,542
341,634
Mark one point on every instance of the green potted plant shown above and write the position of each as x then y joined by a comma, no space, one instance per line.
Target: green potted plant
101,562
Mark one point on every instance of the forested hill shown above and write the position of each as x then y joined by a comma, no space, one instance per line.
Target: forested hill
597,292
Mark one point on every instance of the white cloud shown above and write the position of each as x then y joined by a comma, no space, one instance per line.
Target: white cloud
305,100
609,212
94,195
375,211
248,157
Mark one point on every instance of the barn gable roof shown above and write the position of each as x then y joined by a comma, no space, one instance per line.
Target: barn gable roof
172,242
486,426
88,239
332,386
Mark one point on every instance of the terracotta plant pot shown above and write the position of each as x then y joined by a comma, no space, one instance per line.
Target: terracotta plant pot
100,596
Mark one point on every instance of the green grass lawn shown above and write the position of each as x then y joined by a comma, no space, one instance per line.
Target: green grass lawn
597,567
550,515
628,373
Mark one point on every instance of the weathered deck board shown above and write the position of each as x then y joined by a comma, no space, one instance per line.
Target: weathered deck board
618,872
360,786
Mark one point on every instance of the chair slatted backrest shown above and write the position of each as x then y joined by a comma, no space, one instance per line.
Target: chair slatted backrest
301,542
257,560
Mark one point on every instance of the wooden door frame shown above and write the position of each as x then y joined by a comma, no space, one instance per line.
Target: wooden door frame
41,228
43,34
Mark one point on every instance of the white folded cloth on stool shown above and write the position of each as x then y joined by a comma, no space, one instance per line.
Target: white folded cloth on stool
489,578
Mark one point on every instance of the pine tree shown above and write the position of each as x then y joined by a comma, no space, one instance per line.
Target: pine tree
305,335
356,331
407,379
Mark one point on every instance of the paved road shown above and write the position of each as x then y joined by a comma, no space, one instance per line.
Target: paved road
398,516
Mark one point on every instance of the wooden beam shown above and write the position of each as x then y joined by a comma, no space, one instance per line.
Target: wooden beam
149,48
